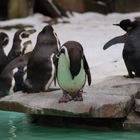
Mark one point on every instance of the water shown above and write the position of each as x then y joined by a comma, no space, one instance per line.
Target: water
14,126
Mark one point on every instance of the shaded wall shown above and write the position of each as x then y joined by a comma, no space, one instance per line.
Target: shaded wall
22,8
102,6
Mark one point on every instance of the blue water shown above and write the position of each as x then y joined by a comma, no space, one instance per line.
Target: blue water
14,126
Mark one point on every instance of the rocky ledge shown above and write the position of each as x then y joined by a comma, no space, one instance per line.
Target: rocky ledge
112,98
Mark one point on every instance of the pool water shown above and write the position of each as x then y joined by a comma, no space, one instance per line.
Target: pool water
14,126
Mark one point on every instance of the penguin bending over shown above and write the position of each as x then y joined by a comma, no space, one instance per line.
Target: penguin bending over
4,39
131,50
41,65
72,70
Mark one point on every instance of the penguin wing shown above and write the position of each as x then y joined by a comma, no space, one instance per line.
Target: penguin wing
118,39
20,61
87,70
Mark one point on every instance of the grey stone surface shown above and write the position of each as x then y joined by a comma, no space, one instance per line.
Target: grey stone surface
132,122
137,101
111,98
137,105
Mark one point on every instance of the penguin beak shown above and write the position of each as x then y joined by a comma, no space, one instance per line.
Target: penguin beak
30,31
116,24
27,33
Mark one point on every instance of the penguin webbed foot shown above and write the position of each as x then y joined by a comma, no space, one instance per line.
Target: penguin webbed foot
78,97
65,98
129,76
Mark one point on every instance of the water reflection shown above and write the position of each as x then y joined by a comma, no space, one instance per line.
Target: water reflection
12,130
14,126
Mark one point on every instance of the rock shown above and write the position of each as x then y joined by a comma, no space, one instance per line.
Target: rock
111,98
137,101
132,122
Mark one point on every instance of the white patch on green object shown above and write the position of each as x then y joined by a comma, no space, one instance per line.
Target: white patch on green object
64,76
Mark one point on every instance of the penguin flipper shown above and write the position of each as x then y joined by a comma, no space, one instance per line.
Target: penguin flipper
20,61
115,40
87,70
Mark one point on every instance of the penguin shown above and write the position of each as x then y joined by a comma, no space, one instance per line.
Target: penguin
21,43
41,67
72,70
131,50
7,80
4,39
127,25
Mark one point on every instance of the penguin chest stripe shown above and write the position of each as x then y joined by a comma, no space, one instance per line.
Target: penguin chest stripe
52,73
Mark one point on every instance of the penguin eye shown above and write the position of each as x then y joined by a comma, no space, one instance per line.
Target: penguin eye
63,51
24,35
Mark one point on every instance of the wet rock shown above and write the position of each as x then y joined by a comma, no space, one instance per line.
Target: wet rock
111,98
132,122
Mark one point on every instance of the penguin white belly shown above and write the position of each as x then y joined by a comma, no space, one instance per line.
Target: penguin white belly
64,76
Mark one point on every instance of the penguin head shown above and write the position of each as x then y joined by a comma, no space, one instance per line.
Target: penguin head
127,24
48,29
25,41
26,33
48,36
4,39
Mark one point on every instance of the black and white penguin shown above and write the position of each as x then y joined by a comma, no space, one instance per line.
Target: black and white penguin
72,70
41,65
4,39
7,81
131,50
21,43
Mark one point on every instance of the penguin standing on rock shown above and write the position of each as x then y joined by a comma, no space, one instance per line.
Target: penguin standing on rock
41,65
72,70
4,39
131,50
